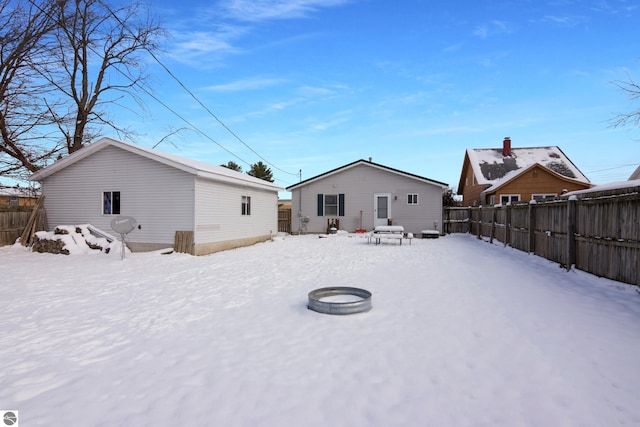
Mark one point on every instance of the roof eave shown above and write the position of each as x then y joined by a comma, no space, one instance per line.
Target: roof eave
368,163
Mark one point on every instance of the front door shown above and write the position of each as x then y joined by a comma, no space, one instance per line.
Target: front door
381,208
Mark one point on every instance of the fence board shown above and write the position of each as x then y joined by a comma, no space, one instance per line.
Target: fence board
284,220
456,220
12,224
599,234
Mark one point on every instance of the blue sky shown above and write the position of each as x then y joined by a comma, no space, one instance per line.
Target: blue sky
313,85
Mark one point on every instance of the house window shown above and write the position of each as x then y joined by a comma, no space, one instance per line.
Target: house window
542,196
246,205
111,203
509,198
412,199
14,202
331,204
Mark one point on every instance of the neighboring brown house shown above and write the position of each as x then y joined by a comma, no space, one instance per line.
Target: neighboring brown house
15,197
505,175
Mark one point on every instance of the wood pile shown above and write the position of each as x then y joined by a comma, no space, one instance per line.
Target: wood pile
55,245
49,246
37,222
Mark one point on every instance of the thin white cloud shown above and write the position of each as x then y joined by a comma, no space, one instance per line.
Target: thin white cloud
311,91
236,19
263,10
453,48
565,20
193,46
246,84
492,28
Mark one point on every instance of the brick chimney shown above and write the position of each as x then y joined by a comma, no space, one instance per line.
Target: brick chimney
506,147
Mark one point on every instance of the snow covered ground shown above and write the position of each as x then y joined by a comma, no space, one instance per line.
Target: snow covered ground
462,333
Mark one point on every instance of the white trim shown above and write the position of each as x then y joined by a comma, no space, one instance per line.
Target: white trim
510,196
378,221
542,196
194,167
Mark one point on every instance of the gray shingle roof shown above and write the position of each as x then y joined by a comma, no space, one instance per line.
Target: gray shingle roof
490,165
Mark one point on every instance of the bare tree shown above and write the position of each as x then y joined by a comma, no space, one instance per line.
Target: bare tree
63,64
632,90
25,140
98,62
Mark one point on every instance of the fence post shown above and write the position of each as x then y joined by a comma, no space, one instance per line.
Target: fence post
571,233
479,212
494,218
507,225
447,219
532,226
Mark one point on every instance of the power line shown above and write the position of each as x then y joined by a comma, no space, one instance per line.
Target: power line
141,87
186,89
194,127
614,168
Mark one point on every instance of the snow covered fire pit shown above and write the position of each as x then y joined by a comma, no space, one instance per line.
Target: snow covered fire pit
339,300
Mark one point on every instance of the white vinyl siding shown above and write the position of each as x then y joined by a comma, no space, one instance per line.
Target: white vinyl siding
159,197
163,193
219,216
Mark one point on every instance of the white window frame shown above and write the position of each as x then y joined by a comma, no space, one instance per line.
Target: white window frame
412,199
511,198
542,196
110,210
331,209
245,205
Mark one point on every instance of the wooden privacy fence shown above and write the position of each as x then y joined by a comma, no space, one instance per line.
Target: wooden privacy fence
22,222
13,221
598,233
284,220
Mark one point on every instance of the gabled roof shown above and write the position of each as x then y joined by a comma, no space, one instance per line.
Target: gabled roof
369,164
490,165
618,187
194,167
18,191
511,176
635,175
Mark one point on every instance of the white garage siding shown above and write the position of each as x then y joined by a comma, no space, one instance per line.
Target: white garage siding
159,197
219,216
164,193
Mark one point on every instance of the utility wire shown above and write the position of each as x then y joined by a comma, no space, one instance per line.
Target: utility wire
194,127
614,168
186,89
149,93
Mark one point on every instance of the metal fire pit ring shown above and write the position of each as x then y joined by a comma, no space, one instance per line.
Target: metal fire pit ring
350,307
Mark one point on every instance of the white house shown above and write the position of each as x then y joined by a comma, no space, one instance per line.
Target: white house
362,195
165,193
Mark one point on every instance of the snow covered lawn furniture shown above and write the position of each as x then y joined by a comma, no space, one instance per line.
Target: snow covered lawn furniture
393,232
430,234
